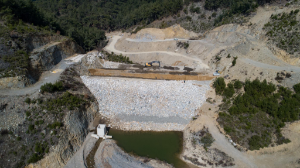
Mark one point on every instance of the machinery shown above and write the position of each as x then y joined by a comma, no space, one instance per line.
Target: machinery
150,64
218,72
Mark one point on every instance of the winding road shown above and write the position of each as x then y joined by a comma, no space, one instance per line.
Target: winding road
111,47
47,77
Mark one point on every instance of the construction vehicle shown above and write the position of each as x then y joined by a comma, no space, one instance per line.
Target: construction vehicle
150,64
218,72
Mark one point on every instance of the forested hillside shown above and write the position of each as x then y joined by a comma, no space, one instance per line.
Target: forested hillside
253,112
14,57
84,19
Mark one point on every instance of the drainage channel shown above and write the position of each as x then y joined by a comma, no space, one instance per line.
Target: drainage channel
90,160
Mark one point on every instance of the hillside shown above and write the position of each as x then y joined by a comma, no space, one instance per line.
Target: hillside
29,44
222,76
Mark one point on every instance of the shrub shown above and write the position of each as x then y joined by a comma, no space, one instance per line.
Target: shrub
66,100
55,124
214,14
51,88
118,58
229,91
27,100
297,88
39,148
19,138
255,142
39,101
238,84
194,9
31,127
28,113
34,158
207,140
234,61
228,56
227,129
180,44
219,85
54,132
4,132
185,10
33,101
188,18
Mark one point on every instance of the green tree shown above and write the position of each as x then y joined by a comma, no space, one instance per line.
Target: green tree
238,84
234,61
219,85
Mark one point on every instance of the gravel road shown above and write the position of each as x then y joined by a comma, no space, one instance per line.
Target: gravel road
111,47
47,77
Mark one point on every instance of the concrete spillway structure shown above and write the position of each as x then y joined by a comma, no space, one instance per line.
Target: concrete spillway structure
101,132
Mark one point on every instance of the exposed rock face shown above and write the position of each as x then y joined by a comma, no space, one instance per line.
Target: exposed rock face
14,82
37,41
45,51
46,57
70,142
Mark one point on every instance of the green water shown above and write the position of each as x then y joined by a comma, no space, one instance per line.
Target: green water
165,146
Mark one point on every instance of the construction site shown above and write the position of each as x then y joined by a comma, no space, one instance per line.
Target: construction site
167,87
161,80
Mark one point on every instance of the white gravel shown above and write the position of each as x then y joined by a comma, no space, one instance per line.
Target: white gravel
148,98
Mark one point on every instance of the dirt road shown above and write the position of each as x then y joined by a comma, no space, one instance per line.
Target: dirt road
111,48
289,68
208,119
222,143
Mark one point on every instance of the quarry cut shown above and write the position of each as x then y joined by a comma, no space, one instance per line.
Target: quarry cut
140,104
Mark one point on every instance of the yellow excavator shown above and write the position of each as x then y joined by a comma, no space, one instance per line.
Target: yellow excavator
150,64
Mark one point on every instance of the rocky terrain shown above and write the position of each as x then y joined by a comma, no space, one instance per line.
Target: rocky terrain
144,102
43,126
46,129
26,55
239,52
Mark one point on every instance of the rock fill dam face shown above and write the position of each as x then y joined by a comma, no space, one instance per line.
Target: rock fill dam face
139,104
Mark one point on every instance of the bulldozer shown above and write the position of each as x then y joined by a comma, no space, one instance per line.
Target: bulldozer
150,64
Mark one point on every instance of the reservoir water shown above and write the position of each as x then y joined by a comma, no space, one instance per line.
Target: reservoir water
164,146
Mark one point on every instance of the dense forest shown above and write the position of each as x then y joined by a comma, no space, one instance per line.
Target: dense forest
17,20
84,20
253,115
11,11
87,20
